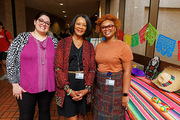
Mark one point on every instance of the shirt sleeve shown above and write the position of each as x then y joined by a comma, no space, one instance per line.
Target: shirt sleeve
11,60
127,54
8,35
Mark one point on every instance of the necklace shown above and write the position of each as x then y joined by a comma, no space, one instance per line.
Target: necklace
107,43
77,42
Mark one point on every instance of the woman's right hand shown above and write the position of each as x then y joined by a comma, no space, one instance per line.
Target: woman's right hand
17,90
75,96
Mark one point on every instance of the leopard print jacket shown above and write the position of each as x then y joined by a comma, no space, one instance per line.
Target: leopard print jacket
13,56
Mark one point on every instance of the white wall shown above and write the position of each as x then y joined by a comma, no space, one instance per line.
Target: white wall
136,16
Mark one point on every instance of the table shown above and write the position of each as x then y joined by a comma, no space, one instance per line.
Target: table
141,107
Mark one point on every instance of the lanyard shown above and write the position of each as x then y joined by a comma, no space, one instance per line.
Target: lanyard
109,75
78,58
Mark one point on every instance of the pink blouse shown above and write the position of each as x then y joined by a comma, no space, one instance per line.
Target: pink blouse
36,59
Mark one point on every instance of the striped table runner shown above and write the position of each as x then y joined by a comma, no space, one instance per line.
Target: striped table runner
141,107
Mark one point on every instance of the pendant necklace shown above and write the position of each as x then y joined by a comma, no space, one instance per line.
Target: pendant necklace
106,44
43,47
78,41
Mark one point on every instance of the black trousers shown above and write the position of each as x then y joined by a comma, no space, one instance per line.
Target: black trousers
28,103
3,56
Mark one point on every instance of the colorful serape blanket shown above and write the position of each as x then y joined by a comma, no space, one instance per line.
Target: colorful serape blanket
141,107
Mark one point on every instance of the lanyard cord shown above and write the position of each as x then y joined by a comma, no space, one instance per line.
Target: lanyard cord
78,58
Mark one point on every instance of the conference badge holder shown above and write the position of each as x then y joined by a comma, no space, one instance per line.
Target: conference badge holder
79,76
110,81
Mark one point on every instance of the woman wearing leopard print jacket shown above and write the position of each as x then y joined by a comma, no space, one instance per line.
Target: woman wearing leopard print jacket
30,69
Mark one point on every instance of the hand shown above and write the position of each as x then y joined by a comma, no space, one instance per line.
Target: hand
17,90
80,94
75,96
125,101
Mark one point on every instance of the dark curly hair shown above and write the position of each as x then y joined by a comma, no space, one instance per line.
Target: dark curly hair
113,18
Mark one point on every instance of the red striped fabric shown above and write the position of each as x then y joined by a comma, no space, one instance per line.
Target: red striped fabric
142,107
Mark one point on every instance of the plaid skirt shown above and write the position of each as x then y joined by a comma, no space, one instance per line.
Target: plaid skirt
107,104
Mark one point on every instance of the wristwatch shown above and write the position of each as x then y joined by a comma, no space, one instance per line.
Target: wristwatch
125,94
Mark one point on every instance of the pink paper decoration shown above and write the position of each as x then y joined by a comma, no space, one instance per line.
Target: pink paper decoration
141,34
179,50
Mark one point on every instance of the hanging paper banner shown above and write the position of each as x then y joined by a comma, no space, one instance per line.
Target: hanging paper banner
179,50
135,40
120,35
165,45
150,34
100,35
141,34
128,39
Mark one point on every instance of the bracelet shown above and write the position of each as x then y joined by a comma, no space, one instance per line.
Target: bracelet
125,94
69,92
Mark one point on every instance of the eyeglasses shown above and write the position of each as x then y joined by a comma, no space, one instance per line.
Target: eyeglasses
41,21
109,27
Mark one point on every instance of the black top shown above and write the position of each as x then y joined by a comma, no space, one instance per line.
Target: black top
75,57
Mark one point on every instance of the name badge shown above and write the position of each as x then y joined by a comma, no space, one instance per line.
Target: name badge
79,76
110,82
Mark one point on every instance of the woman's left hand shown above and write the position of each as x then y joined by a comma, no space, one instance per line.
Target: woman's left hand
125,101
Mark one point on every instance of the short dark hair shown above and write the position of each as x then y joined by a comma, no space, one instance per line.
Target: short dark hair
1,23
88,22
40,14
